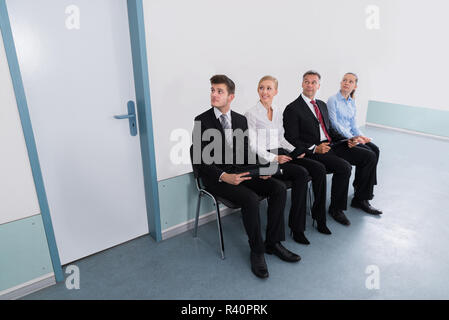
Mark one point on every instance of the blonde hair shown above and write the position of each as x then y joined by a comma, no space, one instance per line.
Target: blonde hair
271,78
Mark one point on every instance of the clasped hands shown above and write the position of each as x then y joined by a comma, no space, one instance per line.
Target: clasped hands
356,140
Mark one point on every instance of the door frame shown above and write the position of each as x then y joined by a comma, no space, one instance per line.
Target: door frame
143,102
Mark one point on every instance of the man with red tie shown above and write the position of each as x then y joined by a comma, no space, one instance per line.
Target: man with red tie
307,128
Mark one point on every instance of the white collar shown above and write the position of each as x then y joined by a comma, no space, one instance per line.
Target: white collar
307,100
260,105
218,113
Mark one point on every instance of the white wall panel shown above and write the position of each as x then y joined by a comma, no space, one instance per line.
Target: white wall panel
18,197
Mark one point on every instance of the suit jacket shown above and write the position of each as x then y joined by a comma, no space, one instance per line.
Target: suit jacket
302,128
238,156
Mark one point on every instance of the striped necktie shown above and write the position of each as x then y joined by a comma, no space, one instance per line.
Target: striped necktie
227,128
320,119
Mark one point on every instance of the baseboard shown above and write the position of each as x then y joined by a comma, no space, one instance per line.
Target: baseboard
407,131
28,287
190,224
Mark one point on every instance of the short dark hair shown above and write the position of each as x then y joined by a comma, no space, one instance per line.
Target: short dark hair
311,73
222,79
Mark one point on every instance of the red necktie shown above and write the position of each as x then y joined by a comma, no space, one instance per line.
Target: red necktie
320,119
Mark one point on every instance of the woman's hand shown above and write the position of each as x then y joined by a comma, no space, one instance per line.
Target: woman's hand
353,142
283,159
365,140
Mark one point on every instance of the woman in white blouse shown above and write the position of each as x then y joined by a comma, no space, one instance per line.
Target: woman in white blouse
266,138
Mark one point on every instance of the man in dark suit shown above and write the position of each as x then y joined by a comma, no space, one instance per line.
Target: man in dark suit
307,128
223,176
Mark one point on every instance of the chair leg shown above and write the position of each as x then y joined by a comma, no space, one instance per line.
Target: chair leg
220,231
198,206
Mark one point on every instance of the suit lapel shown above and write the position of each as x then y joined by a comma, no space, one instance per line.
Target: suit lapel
307,110
216,122
234,121
324,115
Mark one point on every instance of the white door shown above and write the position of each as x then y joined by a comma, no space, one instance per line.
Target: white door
18,197
75,59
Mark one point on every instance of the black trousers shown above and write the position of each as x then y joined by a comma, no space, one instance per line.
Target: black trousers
372,147
338,161
246,195
298,171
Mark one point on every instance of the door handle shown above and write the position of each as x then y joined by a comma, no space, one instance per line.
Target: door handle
125,116
131,116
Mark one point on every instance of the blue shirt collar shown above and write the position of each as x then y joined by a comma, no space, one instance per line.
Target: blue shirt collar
340,96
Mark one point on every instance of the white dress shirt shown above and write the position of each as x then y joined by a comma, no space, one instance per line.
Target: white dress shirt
264,134
312,108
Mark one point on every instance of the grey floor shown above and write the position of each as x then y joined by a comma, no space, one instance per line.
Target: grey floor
408,244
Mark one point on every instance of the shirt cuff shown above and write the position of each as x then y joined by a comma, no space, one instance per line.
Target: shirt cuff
271,157
312,148
219,179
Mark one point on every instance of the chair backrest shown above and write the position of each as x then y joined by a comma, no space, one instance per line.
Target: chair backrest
196,170
195,167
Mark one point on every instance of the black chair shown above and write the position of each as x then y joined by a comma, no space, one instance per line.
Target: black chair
202,191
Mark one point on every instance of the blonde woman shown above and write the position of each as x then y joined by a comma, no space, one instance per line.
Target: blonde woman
266,137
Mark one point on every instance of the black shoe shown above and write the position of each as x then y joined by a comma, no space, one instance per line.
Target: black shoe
339,216
365,206
258,265
322,228
279,250
299,237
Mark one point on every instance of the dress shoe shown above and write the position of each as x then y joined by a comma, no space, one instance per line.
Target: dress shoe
279,250
322,228
258,265
299,237
339,216
365,206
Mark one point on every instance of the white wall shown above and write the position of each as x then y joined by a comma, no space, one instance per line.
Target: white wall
18,197
189,41
415,64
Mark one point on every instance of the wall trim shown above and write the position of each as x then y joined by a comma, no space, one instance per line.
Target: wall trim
190,224
417,119
28,287
370,124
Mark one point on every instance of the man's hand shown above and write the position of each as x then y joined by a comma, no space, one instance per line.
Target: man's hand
283,159
323,148
265,177
301,156
235,179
